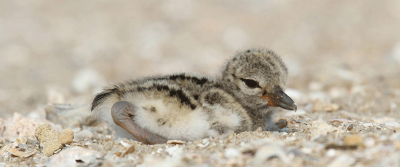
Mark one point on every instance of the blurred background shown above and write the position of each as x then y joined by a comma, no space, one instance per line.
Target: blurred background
344,52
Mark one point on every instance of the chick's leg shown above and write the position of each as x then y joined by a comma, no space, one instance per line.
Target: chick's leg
122,113
280,126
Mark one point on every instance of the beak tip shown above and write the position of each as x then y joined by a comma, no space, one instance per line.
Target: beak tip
278,98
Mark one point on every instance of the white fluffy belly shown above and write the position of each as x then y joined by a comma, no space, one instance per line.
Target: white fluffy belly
173,122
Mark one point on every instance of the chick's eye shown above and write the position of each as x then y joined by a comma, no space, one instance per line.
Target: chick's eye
250,83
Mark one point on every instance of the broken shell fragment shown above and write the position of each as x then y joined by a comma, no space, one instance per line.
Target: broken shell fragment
180,142
22,154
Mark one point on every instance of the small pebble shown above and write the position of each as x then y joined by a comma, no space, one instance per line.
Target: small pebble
350,127
180,142
368,125
331,152
67,135
353,140
320,105
82,135
343,160
231,153
369,142
340,121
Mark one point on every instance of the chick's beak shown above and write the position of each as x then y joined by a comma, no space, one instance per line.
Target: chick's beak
278,98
